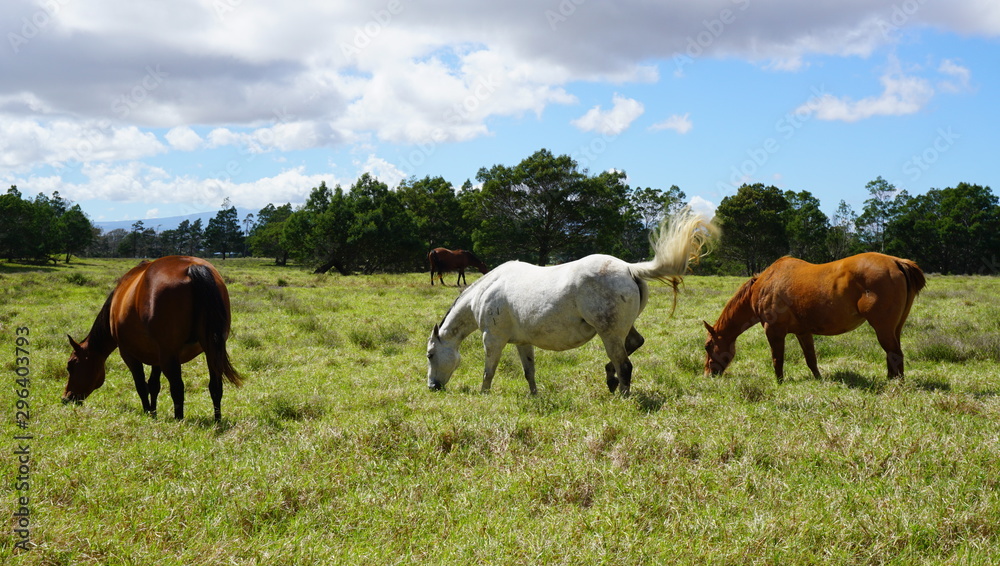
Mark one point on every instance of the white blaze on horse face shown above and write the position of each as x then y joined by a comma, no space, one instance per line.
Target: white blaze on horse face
442,361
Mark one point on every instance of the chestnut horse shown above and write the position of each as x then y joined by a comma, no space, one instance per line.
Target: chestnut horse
162,313
796,297
443,259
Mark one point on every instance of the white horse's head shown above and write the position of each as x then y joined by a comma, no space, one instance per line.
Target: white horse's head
442,360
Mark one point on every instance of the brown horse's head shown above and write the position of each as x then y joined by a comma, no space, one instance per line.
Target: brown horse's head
86,373
719,351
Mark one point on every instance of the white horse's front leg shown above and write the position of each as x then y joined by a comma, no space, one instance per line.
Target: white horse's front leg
527,353
494,348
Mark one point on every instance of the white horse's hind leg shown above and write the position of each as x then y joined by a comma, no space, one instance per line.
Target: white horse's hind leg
527,353
633,342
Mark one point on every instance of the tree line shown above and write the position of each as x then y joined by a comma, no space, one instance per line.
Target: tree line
42,228
955,230
542,210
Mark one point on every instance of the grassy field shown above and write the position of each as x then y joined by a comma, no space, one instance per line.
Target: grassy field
335,452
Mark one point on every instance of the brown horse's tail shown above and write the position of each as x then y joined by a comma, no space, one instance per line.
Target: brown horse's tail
209,303
914,277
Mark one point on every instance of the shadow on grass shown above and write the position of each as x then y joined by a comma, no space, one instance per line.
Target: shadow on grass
648,401
932,384
855,380
8,268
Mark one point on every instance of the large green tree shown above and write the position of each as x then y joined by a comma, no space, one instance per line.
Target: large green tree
382,232
753,226
807,227
436,213
881,208
265,239
545,208
317,233
222,234
951,230
41,228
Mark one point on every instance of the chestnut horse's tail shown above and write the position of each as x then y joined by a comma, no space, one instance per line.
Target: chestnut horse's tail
214,331
914,277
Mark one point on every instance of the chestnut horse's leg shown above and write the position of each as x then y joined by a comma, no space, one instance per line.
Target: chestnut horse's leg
139,376
889,340
461,277
809,351
776,338
172,369
527,354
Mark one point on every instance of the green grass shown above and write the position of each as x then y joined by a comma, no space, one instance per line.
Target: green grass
335,452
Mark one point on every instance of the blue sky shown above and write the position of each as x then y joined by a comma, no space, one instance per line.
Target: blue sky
160,109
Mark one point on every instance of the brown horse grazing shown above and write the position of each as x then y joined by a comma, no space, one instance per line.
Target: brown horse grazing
796,297
443,259
162,313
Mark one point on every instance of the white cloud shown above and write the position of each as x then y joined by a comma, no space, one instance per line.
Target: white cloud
701,206
959,77
901,95
678,123
183,138
611,122
28,142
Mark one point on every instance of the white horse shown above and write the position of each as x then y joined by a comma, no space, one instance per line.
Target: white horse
562,307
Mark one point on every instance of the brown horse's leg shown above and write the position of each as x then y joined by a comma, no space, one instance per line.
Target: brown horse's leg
139,376
461,277
809,350
153,386
776,339
215,390
172,369
527,354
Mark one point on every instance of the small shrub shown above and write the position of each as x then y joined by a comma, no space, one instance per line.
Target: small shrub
80,279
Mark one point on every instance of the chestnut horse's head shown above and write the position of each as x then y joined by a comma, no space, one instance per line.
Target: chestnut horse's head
719,351
86,373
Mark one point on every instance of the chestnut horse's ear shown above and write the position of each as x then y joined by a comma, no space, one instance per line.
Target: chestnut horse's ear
708,327
76,347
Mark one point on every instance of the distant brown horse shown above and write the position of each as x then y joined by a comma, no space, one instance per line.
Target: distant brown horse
795,297
443,259
162,313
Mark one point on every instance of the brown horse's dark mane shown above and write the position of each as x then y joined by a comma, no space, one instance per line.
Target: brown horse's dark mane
100,339
741,296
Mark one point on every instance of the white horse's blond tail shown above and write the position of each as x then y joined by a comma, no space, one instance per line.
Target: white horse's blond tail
681,238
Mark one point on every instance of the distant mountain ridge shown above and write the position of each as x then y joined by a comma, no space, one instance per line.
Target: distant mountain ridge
169,222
